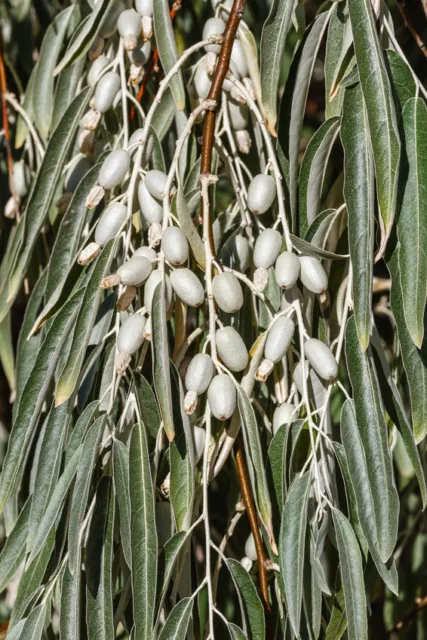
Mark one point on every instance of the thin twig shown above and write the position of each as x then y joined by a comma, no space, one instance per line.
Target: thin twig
421,604
3,91
401,4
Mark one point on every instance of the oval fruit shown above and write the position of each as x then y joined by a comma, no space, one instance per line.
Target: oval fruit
152,282
155,181
287,269
267,248
134,271
231,349
110,223
114,169
213,26
312,274
227,292
321,359
222,397
106,90
282,415
129,26
131,334
199,373
261,193
279,339
151,209
175,245
146,252
187,287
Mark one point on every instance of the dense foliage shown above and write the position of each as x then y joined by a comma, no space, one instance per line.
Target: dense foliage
212,319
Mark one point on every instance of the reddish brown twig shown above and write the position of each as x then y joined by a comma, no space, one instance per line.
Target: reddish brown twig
153,64
3,91
421,604
409,23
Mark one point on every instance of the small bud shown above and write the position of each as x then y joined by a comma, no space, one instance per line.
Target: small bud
267,248
312,274
213,26
96,48
227,292
199,373
243,140
282,415
90,120
129,26
114,169
147,27
287,269
136,74
85,141
321,359
175,246
95,196
155,233
89,253
222,397
126,299
122,362
250,549
165,487
231,349
260,279
261,193
190,402
187,287
264,370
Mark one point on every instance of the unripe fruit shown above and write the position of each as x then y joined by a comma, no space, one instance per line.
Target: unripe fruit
155,181
213,26
114,169
222,397
239,115
174,245
110,223
187,287
141,53
75,173
227,292
279,339
260,279
130,26
106,90
131,334
312,274
267,248
109,21
243,141
151,209
21,178
163,522
298,377
202,80
134,271
239,59
144,7
246,564
321,359
151,284
282,415
199,373
261,193
236,253
146,252
250,549
148,147
199,443
95,69
287,269
231,349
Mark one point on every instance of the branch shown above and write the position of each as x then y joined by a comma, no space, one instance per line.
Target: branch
421,604
409,23
3,91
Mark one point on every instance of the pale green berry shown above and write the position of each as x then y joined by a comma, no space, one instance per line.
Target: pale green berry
312,274
282,415
110,223
227,292
267,248
202,80
154,279
250,549
21,178
279,339
141,53
287,269
95,69
321,359
246,563
222,397
239,59
155,181
261,193
131,334
187,287
114,169
231,349
106,90
151,209
148,147
239,115
134,271
175,245
199,373
199,443
213,26
129,26
144,7
146,252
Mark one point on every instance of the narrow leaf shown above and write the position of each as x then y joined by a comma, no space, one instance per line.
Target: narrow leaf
33,627
359,193
13,552
188,228
147,404
165,39
253,610
178,620
121,484
69,619
161,370
167,560
79,430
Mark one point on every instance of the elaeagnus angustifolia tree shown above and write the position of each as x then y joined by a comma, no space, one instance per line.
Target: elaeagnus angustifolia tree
212,320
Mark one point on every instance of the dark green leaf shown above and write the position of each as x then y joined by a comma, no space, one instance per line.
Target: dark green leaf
69,619
167,559
121,485
79,429
13,552
161,369
165,39
402,78
253,611
147,404
177,623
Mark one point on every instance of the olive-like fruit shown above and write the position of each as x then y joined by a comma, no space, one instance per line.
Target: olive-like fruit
227,292
150,286
129,26
312,274
106,90
279,339
202,80
321,359
131,334
250,549
199,373
175,245
261,193
199,443
144,7
114,169
155,181
213,26
287,269
267,248
134,271
239,59
187,287
282,415
146,252
222,397
95,69
110,223
239,115
231,349
151,209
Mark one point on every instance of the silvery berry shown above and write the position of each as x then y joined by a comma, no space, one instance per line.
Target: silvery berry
96,67
197,379
287,269
321,359
151,209
213,26
21,178
199,443
110,223
187,287
278,341
239,115
144,7
222,397
155,181
250,549
175,245
282,415
129,339
267,248
312,274
114,169
202,81
134,271
239,59
231,349
146,252
106,90
150,286
261,193
129,25
227,292
246,563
